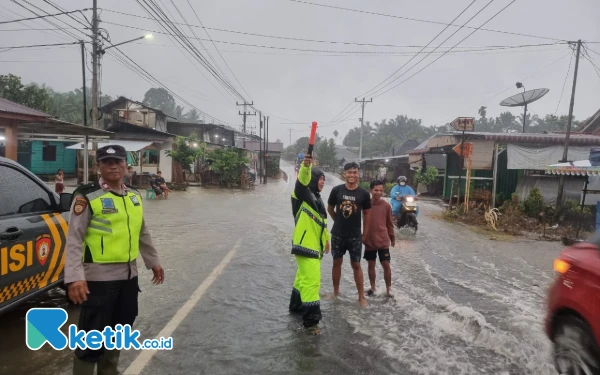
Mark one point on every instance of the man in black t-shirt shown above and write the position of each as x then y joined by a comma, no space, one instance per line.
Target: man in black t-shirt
345,205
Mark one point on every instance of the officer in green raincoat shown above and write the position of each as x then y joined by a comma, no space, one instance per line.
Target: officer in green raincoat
311,239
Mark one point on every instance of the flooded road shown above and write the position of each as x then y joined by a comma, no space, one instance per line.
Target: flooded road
463,305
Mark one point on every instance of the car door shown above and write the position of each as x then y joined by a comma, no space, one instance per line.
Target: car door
32,236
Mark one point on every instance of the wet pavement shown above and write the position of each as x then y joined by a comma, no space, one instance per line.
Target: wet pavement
463,305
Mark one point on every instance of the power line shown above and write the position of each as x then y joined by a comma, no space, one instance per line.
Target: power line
272,36
564,84
49,15
522,80
222,58
188,46
39,45
472,48
431,41
10,30
421,20
462,40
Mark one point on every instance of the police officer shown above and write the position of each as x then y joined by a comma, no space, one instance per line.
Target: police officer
106,234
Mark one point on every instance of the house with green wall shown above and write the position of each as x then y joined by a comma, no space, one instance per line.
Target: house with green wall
507,163
47,157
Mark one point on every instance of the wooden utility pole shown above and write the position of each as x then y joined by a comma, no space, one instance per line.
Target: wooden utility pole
561,182
95,65
245,113
362,121
290,130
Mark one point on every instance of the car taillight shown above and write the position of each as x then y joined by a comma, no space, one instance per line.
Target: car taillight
561,266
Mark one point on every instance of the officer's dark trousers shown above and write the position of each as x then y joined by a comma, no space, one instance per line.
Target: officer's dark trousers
108,304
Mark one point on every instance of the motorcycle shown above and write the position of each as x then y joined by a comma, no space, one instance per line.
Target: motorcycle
408,213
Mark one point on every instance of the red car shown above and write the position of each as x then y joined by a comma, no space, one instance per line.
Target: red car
573,320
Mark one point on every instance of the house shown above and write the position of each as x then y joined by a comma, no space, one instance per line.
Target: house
123,110
591,125
506,163
346,154
273,152
39,141
142,130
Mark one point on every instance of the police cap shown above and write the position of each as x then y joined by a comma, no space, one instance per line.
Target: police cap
111,152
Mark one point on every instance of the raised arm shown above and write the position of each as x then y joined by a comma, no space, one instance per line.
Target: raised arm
304,177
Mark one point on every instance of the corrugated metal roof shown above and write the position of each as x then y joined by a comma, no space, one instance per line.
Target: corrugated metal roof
16,108
549,139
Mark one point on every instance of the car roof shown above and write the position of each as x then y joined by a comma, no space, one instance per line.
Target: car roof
20,167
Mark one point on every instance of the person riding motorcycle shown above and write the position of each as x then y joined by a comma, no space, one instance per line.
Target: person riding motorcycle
397,195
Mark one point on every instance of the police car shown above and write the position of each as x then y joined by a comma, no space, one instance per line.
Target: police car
33,233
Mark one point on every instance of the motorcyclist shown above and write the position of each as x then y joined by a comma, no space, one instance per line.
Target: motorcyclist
397,195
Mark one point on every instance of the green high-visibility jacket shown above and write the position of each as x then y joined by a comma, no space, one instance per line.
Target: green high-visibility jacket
310,215
113,234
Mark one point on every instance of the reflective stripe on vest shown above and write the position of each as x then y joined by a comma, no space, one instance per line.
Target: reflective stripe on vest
113,234
308,232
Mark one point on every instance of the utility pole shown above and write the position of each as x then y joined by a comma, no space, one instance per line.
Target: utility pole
290,130
267,150
95,66
260,159
362,121
85,116
245,113
561,182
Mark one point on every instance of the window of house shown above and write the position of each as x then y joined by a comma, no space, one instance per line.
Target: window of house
19,194
48,152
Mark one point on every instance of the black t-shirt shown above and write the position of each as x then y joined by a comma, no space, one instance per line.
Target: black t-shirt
349,205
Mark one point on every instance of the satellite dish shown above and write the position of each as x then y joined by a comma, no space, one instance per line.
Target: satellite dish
522,99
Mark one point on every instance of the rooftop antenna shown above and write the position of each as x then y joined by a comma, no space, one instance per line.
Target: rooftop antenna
524,98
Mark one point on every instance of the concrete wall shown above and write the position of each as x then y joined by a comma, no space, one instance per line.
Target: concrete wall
65,159
166,162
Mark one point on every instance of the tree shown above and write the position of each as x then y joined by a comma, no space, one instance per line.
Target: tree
229,162
178,114
160,98
32,95
192,116
507,123
335,134
326,152
187,151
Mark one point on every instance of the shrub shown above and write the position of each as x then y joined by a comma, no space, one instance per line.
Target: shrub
534,204
426,178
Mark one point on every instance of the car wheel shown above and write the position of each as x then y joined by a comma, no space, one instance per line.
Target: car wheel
575,350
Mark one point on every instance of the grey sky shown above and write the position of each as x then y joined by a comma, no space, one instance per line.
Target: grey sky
307,86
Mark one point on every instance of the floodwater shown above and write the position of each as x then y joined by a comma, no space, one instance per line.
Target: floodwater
463,304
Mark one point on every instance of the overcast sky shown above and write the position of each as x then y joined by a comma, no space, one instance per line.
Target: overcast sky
302,86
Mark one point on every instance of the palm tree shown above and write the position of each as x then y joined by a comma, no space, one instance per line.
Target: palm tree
192,116
179,112
531,120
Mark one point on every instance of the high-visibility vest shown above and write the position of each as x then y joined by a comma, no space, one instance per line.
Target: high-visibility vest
113,233
310,233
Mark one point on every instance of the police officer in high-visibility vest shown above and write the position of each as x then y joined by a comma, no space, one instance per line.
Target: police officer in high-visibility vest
311,239
106,234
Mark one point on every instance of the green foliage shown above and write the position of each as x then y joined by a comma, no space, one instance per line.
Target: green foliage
229,163
188,150
159,98
534,204
32,95
426,178
380,138
365,185
325,153
573,208
507,122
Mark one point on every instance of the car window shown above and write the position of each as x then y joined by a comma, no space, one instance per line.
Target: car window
19,194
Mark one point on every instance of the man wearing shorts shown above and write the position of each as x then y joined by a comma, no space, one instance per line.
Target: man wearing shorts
346,205
380,236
